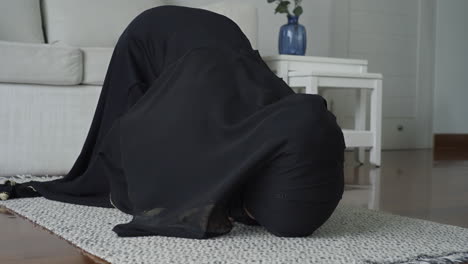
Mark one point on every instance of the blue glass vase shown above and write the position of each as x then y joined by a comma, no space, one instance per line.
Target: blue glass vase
292,37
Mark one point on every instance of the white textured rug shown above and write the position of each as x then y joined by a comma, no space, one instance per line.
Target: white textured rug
351,235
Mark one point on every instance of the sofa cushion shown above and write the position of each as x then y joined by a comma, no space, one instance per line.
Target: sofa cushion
43,127
245,15
40,63
90,23
95,62
20,20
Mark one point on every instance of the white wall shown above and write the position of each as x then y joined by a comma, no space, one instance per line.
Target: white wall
316,19
451,67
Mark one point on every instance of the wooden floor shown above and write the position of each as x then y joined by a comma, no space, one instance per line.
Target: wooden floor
409,183
22,241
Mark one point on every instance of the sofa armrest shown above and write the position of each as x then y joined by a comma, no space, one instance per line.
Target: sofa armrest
95,63
40,63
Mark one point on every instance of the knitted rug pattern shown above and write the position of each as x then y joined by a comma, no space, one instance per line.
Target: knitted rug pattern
351,235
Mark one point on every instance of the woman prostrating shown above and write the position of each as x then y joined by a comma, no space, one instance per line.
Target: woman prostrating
193,131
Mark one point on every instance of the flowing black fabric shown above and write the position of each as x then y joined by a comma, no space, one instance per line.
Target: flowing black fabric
191,123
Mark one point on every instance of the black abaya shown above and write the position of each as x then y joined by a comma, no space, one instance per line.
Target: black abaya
189,120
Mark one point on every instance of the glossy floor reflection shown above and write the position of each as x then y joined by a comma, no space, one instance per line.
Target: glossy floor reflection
21,241
410,183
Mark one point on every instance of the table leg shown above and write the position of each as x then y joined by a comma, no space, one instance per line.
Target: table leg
311,85
374,195
376,122
360,120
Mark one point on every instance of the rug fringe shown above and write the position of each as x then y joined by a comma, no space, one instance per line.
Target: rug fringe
20,178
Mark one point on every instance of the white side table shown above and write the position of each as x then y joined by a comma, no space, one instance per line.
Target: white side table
282,65
315,73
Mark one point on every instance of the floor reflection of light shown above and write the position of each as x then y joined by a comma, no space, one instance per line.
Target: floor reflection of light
364,195
410,183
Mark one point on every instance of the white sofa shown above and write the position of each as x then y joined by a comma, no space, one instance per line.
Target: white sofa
53,58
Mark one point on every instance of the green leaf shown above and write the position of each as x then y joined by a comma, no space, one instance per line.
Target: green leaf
298,11
271,1
282,7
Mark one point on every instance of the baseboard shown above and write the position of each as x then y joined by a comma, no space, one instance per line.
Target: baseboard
451,147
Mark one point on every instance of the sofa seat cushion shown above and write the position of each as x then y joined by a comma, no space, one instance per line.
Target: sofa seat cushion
20,20
90,23
95,63
40,63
